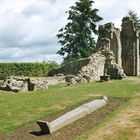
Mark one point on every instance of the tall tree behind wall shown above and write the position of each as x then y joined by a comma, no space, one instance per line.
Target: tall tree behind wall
136,19
76,37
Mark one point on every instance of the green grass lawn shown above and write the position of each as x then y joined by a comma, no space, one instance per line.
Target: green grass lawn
16,110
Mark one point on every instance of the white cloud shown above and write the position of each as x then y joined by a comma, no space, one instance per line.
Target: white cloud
28,28
115,10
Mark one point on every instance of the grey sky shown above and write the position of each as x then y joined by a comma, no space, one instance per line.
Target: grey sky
28,28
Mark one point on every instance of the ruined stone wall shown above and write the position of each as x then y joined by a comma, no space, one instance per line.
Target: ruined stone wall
112,68
24,84
90,72
84,70
115,50
99,63
55,80
124,44
107,58
115,46
71,68
109,39
130,47
90,69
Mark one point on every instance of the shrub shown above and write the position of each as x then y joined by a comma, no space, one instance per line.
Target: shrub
26,69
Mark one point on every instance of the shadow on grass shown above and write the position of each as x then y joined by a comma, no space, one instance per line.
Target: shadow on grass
38,133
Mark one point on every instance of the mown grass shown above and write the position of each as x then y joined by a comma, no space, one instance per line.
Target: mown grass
127,133
101,123
17,110
124,135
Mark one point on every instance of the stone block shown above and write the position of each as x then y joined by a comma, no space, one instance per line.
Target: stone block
70,117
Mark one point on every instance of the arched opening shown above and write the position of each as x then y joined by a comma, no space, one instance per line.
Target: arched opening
115,46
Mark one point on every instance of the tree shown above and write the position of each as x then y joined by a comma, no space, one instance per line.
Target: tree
76,37
135,17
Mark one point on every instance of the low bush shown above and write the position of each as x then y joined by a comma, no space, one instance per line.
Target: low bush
26,69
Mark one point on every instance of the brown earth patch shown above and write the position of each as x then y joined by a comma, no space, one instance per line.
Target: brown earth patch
70,132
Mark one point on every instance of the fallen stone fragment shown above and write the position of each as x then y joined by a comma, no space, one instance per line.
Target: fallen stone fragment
70,117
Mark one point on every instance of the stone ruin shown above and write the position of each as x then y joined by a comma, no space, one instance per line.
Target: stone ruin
91,68
24,84
117,55
71,116
130,47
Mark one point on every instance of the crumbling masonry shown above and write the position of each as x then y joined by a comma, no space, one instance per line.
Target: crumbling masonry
124,44
117,54
130,47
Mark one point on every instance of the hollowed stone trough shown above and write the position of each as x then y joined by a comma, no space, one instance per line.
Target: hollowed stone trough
70,117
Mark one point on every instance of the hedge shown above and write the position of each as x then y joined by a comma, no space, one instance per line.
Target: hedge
26,69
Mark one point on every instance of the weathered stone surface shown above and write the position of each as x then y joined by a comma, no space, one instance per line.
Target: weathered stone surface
107,57
113,69
1,82
115,50
109,40
37,84
89,72
56,80
23,84
68,118
15,85
130,47
71,68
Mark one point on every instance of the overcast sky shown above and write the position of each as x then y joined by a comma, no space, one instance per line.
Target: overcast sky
28,28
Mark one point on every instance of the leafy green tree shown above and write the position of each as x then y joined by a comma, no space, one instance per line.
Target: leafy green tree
135,17
76,37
